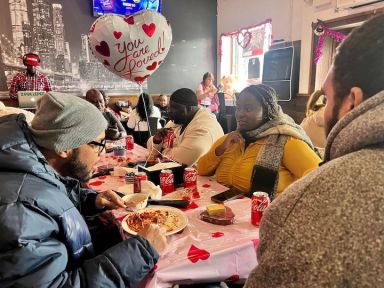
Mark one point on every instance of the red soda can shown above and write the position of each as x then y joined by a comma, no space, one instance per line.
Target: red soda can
190,179
166,181
139,176
168,140
260,202
129,142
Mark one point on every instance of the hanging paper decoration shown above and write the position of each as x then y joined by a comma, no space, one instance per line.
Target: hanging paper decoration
322,32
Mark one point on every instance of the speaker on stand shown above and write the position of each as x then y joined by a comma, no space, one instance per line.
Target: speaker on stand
281,71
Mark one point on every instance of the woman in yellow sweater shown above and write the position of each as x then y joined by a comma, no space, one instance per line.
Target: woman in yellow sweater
268,152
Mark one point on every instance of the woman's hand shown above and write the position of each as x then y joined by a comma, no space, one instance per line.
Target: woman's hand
232,138
109,199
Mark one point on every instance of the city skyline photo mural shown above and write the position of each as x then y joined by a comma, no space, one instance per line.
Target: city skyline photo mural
57,31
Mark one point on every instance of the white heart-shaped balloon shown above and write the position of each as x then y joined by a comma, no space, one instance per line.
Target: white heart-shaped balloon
132,47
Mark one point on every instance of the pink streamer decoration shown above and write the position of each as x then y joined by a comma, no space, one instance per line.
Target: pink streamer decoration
327,32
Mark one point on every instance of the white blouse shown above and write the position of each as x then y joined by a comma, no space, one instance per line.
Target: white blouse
135,122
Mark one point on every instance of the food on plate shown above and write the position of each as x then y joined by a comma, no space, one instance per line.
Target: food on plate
137,221
216,210
224,219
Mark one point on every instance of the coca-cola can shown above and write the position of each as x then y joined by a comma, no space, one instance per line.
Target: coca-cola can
139,176
129,142
166,181
190,179
168,140
260,202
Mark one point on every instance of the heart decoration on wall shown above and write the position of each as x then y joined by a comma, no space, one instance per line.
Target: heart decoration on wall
132,47
244,38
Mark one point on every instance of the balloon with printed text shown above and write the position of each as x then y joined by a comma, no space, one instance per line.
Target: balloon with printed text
132,46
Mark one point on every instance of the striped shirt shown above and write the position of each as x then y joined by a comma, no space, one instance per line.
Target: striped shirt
22,81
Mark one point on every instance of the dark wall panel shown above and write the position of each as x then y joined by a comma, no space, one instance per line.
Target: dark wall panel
193,51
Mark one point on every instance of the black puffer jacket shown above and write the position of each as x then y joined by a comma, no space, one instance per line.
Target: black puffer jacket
44,239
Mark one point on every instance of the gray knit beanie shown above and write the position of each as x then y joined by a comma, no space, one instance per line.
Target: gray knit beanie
64,122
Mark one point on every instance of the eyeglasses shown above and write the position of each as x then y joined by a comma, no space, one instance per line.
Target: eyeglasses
100,145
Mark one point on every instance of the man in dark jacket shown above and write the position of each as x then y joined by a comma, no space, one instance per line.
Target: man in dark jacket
327,229
45,240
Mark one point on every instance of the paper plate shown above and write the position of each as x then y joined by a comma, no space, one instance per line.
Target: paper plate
172,219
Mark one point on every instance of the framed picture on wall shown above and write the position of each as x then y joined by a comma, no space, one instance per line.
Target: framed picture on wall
57,31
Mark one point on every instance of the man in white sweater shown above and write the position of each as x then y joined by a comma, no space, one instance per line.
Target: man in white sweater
194,128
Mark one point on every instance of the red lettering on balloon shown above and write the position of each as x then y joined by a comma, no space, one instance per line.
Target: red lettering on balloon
139,56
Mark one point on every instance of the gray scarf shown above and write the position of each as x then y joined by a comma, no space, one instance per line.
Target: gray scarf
265,173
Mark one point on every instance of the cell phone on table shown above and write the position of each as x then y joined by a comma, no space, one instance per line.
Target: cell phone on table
225,196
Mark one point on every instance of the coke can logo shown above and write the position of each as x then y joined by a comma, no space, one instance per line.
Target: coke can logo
260,204
190,177
166,179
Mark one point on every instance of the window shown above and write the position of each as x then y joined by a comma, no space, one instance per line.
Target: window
242,54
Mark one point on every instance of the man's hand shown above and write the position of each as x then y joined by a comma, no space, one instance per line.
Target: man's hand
232,138
109,199
156,236
112,133
160,135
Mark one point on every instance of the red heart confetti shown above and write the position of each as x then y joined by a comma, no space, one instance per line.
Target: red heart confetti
149,29
103,49
96,183
158,63
196,195
233,278
217,234
186,197
152,66
92,28
255,243
106,63
192,205
102,177
117,34
195,254
130,20
206,186
141,79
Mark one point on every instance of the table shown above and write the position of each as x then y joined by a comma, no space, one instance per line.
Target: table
202,252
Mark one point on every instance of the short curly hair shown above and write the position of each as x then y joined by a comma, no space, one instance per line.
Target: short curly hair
359,61
266,96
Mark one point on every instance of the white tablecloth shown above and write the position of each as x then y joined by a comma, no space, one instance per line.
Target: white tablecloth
202,252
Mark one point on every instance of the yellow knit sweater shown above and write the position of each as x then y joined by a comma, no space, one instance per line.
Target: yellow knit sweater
234,167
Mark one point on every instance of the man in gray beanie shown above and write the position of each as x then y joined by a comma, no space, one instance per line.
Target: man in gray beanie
194,128
45,240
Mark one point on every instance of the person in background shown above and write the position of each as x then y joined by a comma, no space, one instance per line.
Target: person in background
45,241
207,93
29,80
107,108
163,107
326,230
138,119
5,110
194,128
313,123
267,152
115,129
